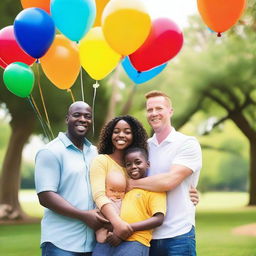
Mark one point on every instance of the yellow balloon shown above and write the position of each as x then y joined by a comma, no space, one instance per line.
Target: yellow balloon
97,57
126,25
61,63
100,5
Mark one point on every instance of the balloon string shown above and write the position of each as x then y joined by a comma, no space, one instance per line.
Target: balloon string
82,84
38,114
42,99
95,86
71,94
3,61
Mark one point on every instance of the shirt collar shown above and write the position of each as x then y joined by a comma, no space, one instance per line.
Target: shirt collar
67,142
169,138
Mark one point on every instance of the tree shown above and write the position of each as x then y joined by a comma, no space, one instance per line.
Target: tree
215,76
24,121
220,76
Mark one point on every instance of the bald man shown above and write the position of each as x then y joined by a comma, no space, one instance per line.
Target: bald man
63,188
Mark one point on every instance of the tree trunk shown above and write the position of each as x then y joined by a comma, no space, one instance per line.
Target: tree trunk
10,180
241,122
252,175
111,113
128,104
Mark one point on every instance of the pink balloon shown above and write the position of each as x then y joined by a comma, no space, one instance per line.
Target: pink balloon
10,51
163,43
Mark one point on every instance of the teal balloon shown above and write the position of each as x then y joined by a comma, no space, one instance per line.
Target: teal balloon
73,18
19,79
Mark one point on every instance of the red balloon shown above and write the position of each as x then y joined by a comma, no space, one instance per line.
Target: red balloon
163,43
2,64
10,51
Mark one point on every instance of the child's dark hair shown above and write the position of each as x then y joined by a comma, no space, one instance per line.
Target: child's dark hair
136,149
138,132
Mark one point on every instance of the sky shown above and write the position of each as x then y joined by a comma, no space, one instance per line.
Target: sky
176,10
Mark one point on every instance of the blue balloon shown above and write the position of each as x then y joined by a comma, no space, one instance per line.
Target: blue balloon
141,77
35,31
211,30
73,18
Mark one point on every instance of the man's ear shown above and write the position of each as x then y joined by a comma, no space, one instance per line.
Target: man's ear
171,112
66,120
148,164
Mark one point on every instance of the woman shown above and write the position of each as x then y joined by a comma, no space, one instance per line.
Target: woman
118,135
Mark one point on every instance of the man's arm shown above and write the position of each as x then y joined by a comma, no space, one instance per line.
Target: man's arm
56,203
164,181
47,177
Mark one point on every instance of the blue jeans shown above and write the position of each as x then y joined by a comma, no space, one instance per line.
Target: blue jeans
49,249
126,248
183,245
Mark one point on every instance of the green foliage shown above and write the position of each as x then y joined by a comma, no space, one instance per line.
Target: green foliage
4,136
233,174
27,178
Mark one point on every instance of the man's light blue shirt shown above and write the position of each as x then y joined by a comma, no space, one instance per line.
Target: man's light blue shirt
62,168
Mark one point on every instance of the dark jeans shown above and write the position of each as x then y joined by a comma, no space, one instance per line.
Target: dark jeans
126,248
49,249
183,245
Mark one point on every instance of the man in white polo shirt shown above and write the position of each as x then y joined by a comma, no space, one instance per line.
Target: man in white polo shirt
175,163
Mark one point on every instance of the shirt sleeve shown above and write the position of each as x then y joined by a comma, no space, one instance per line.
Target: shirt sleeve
189,154
157,202
98,177
47,171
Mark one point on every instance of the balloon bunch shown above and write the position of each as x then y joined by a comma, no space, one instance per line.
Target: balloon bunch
220,15
96,41
120,31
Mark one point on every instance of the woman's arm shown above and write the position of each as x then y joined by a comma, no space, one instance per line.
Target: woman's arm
98,172
121,228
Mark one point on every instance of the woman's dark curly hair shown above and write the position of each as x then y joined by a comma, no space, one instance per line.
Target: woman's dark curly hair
138,132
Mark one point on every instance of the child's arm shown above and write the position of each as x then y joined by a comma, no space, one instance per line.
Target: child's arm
151,223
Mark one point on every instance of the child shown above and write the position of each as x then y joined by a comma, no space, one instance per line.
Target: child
115,191
143,210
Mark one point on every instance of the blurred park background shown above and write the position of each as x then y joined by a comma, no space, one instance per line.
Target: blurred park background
212,83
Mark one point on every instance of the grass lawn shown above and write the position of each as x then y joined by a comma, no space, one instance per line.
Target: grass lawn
217,215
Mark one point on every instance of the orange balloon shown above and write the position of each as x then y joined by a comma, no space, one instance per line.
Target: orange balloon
100,5
220,15
61,64
43,4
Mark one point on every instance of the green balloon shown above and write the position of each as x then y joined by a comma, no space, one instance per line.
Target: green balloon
19,79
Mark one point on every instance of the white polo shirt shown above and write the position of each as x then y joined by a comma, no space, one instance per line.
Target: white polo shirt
176,149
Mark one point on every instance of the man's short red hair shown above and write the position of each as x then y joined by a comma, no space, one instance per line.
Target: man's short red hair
156,93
